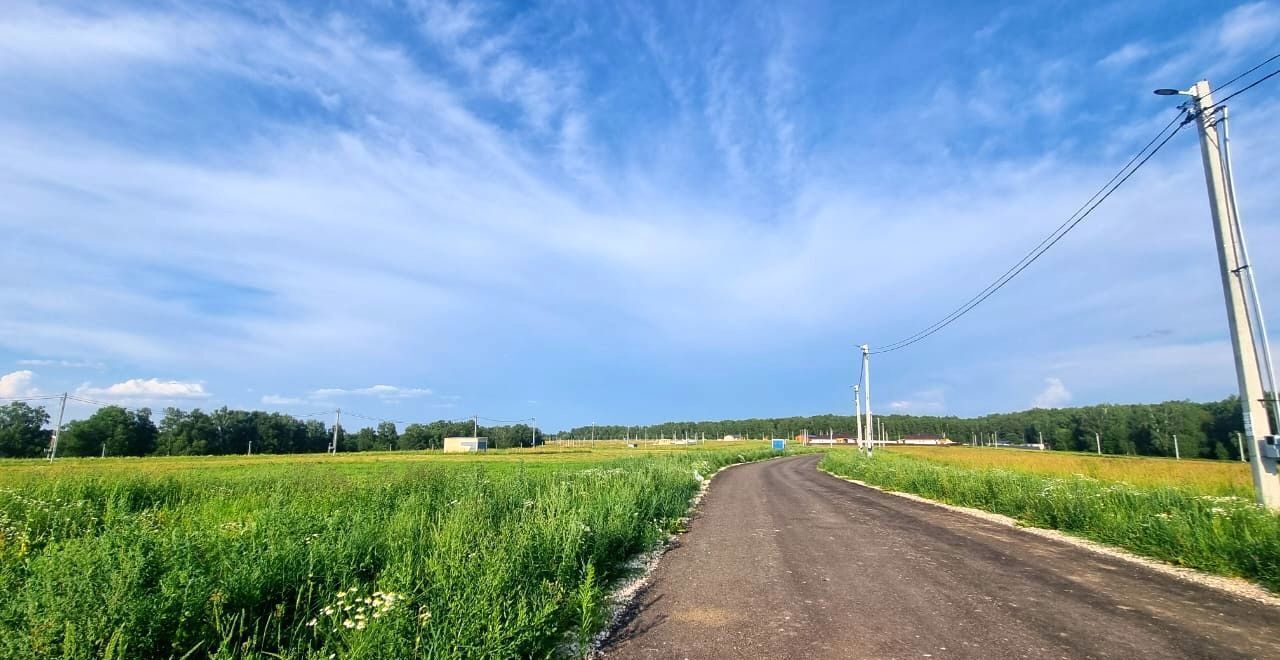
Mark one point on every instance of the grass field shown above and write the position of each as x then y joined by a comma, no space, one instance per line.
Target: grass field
1169,510
1202,476
508,554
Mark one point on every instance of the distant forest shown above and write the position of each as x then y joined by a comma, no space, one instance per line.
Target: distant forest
1204,430
117,431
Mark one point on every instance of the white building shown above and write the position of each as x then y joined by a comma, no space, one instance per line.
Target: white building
465,445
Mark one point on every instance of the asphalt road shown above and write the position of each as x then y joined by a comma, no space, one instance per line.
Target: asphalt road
784,561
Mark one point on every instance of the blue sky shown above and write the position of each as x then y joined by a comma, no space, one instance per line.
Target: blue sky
615,212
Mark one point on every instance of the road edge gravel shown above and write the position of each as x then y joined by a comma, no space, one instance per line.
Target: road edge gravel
1232,586
623,597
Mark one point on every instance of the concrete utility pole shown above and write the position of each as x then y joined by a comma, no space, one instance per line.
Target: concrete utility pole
857,413
534,442
1269,370
593,435
1041,435
1098,439
1231,260
475,426
57,431
866,391
1177,454
337,423
1240,444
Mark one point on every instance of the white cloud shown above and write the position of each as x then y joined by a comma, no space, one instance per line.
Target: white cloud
71,364
1054,395
464,216
17,384
1125,55
146,389
26,37
495,66
1249,25
925,402
384,392
277,400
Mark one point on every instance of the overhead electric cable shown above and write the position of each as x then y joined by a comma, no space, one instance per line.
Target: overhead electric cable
1261,64
30,398
311,414
73,397
1218,103
376,419
1136,162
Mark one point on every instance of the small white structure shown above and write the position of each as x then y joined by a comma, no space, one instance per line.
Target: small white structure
465,445
924,439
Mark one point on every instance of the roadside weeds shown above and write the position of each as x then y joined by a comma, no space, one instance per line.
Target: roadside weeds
1234,586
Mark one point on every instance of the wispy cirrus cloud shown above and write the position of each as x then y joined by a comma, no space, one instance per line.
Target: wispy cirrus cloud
932,401
380,393
69,364
277,400
1249,25
1125,55
385,392
563,191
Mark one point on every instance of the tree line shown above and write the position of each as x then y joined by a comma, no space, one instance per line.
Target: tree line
1203,430
118,431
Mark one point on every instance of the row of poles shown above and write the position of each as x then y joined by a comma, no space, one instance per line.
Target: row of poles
974,441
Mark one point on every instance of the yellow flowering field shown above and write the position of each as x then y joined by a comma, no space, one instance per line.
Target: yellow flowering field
1204,476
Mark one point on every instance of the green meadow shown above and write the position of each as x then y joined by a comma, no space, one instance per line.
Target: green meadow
398,554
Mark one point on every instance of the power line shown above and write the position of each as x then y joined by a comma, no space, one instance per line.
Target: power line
1242,90
1261,64
311,414
73,397
1070,223
1128,170
372,418
1033,257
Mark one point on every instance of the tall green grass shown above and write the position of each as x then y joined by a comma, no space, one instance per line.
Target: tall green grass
1224,535
437,561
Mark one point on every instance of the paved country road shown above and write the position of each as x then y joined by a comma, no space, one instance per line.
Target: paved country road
784,561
